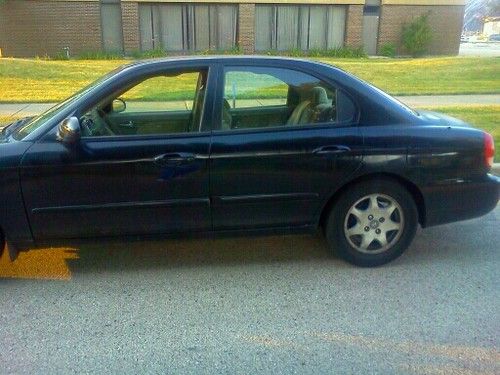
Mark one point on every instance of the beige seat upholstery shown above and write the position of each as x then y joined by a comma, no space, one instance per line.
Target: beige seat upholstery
306,110
227,119
299,114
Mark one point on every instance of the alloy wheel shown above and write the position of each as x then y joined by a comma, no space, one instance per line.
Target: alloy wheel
374,223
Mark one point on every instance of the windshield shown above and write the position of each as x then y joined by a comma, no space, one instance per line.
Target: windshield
39,120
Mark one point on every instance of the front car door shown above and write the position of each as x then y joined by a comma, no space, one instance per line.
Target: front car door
285,141
141,164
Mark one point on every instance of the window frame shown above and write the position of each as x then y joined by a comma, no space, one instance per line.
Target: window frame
240,66
135,79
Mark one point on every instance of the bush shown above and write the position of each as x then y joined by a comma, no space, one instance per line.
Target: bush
388,50
62,55
341,52
417,36
99,55
236,50
151,54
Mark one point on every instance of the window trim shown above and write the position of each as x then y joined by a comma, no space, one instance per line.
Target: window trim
132,82
217,110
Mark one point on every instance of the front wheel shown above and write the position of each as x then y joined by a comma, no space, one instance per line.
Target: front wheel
372,223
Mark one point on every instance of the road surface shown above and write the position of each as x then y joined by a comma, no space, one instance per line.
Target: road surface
270,305
483,49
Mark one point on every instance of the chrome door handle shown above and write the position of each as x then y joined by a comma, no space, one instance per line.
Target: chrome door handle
173,159
331,150
129,125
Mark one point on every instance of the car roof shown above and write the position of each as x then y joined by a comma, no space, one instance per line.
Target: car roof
227,58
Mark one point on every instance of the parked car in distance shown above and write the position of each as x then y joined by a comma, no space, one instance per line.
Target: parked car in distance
494,38
203,145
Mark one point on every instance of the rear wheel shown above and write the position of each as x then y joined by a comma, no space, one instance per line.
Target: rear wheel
372,223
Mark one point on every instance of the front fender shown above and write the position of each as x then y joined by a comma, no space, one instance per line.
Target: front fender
13,220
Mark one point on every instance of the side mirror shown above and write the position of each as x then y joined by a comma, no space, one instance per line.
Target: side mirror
118,105
69,130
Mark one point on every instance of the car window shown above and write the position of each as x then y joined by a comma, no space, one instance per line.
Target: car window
163,104
258,97
249,89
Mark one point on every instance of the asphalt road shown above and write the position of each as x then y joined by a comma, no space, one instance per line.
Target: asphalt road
275,305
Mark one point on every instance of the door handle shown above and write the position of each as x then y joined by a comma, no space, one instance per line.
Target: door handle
331,150
174,159
129,125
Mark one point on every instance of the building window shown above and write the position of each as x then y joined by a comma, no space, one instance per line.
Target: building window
305,27
193,27
111,26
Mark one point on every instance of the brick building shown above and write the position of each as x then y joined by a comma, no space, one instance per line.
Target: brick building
47,27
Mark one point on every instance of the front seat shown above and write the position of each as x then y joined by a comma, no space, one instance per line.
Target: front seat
227,119
306,110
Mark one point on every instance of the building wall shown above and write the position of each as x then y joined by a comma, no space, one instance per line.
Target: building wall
354,26
445,21
36,28
130,22
44,27
246,27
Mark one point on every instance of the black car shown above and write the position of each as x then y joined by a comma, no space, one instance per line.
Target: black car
240,145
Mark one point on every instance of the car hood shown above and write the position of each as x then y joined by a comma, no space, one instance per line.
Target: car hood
9,128
437,118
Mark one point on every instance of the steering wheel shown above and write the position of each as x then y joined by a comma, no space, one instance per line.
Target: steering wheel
94,124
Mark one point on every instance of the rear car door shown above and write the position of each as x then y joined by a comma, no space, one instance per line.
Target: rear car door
284,141
149,176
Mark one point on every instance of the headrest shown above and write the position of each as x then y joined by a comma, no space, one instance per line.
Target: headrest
319,96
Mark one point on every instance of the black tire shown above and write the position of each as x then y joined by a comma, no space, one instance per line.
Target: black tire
341,216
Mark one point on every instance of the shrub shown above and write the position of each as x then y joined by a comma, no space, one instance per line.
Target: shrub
236,50
341,52
417,35
62,55
388,50
151,54
99,55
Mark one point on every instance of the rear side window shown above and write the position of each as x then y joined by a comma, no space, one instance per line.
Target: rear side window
258,97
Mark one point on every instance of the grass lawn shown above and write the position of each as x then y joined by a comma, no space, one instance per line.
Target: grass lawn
23,80
485,117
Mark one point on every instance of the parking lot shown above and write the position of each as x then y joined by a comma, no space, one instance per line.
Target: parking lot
483,49
275,304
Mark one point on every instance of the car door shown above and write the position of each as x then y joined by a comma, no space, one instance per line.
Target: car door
276,170
115,182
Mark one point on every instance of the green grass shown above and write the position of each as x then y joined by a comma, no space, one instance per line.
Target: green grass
23,80
486,117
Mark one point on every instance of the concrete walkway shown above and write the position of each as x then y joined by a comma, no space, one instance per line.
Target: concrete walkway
449,100
29,109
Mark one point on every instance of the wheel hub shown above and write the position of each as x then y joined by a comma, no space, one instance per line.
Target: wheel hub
374,223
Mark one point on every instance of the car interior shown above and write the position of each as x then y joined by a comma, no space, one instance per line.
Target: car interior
304,104
115,116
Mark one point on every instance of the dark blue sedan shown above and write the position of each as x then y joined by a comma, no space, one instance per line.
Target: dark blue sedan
240,145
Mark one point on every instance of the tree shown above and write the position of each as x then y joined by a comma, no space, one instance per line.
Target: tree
417,35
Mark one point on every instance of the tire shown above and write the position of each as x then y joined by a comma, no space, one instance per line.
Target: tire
372,223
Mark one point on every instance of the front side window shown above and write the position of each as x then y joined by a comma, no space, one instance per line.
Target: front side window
257,97
164,104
